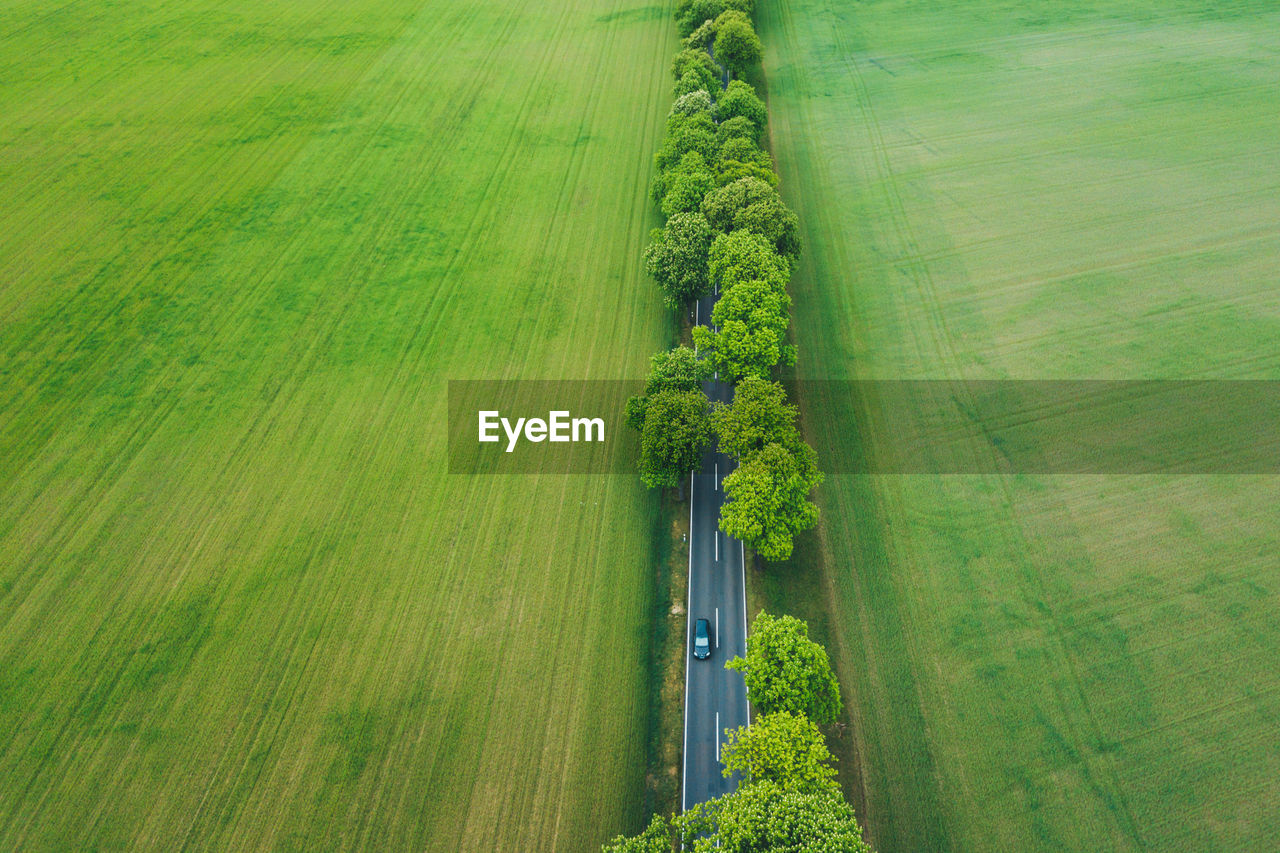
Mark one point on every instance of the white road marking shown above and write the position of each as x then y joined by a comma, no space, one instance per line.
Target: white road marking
717,735
717,627
717,479
688,628
717,546
743,552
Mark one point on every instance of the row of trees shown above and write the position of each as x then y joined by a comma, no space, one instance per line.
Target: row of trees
727,229
788,799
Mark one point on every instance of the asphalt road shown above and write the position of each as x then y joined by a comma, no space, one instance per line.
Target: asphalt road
714,698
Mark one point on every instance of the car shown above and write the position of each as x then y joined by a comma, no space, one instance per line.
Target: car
702,639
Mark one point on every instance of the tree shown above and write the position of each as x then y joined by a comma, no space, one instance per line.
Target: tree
692,163
677,258
656,838
702,36
691,14
692,104
764,818
686,189
689,82
723,205
677,369
784,748
767,500
774,220
737,47
745,256
677,427
759,415
686,133
739,100
748,347
738,127
786,671
700,63
750,204
728,171
741,157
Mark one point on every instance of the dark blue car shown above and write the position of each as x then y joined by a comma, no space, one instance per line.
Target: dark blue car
702,639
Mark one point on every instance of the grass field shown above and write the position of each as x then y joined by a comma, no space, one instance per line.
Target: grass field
1009,190
242,248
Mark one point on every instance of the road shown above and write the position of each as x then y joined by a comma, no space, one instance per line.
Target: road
714,698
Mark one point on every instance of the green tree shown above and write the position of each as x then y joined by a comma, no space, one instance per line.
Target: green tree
723,205
677,369
700,63
702,36
749,346
728,171
786,671
691,14
692,104
767,501
686,189
750,322
765,818
739,100
737,47
676,429
740,157
692,163
745,256
656,838
784,748
690,82
738,127
774,220
750,204
686,133
677,258
758,415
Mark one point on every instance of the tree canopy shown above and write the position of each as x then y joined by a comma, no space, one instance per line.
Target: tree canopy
786,671
745,256
737,47
738,127
758,415
676,429
739,100
685,190
677,369
741,348
699,62
677,258
691,14
690,81
767,500
784,748
685,134
740,157
693,103
751,204
765,818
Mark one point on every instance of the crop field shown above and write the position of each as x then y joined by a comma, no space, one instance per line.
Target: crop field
242,248
1012,190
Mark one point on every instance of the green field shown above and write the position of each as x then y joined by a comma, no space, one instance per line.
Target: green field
242,248
1012,190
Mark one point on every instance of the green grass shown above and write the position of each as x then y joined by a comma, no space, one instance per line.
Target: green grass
1006,190
242,248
